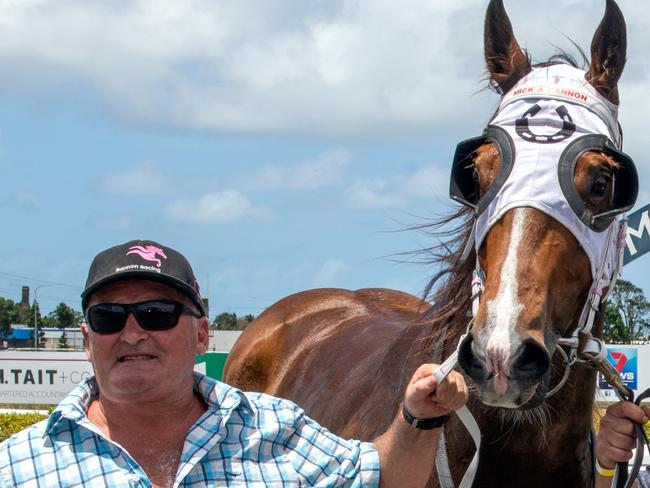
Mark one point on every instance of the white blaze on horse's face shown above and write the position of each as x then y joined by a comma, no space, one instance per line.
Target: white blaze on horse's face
503,312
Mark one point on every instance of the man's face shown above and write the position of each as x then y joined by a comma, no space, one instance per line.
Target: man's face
135,364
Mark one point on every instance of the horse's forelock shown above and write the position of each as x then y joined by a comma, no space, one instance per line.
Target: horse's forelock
580,61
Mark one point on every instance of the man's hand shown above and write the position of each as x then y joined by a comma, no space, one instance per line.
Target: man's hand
616,437
425,399
406,453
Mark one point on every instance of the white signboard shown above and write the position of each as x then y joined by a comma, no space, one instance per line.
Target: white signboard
40,377
45,378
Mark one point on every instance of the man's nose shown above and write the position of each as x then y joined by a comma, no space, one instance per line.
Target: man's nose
132,333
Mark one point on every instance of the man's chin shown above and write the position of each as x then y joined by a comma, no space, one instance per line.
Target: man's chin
129,386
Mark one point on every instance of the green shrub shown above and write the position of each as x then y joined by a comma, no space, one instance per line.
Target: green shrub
10,423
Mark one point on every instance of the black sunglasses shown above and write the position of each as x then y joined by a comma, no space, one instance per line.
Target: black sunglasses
109,318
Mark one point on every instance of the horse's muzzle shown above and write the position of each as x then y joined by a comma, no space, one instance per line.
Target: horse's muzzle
505,381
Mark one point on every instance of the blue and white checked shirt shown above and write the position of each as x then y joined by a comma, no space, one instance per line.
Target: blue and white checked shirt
242,440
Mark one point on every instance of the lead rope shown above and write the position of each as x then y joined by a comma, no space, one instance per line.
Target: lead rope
445,479
470,424
621,477
442,461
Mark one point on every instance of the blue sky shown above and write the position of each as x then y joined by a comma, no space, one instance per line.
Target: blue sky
279,145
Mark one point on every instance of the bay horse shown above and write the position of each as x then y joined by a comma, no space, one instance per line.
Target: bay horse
535,248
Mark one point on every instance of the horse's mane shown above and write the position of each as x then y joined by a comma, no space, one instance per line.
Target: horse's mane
450,289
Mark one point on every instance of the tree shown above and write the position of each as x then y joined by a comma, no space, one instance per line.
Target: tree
614,329
230,321
627,316
242,322
9,314
64,316
63,341
225,321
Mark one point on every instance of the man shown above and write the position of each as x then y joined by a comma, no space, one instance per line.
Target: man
616,439
146,419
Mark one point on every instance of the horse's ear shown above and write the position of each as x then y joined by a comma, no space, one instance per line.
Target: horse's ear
608,49
506,62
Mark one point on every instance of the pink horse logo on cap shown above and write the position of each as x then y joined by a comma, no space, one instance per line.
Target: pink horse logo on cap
148,253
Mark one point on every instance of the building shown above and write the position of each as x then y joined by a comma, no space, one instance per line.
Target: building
24,307
22,337
223,340
52,335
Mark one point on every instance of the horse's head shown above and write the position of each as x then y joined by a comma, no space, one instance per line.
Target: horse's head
547,183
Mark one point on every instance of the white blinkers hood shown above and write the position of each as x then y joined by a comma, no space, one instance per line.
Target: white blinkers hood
543,125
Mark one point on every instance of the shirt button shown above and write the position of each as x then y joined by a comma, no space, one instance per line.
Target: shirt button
135,477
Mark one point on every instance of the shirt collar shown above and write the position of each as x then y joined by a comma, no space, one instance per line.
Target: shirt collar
217,395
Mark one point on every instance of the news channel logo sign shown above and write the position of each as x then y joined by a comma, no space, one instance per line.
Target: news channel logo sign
624,359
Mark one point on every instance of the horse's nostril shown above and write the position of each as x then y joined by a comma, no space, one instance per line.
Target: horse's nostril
470,363
531,363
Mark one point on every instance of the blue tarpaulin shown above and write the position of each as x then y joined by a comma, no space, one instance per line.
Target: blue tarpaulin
18,335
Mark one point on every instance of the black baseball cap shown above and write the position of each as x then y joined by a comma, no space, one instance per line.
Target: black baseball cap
145,260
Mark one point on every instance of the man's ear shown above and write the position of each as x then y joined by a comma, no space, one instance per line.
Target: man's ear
202,335
86,335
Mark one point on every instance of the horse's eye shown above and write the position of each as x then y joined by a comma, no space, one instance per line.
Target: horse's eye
600,184
476,176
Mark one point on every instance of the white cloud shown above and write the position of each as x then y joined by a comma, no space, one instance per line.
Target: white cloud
339,67
423,182
246,65
23,200
321,171
143,179
372,194
212,208
328,273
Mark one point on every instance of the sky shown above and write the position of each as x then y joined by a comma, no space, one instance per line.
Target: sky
280,145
